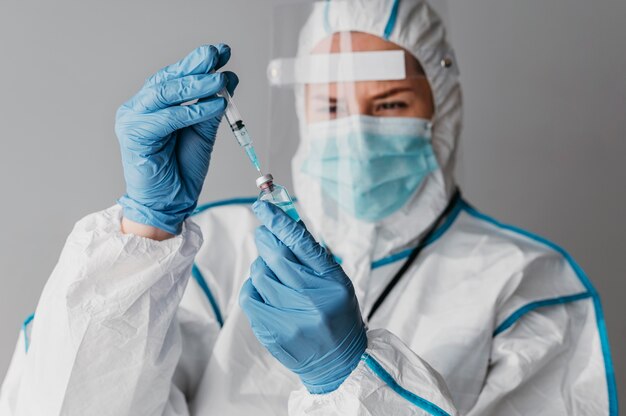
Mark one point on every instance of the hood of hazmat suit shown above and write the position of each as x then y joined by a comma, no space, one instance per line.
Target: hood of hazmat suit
351,71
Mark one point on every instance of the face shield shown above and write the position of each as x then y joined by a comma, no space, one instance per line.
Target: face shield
351,117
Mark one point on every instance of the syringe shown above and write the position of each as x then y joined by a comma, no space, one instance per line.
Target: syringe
239,129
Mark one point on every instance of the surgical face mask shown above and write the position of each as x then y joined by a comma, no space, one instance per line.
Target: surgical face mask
369,166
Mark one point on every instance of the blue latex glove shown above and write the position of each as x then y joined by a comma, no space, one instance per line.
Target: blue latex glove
301,305
166,147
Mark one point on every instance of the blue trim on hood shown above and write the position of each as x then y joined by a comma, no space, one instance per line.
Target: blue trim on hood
391,22
25,324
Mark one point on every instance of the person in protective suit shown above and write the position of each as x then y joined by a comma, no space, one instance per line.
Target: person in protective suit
392,296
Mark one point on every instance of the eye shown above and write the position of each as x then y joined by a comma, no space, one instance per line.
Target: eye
391,105
332,108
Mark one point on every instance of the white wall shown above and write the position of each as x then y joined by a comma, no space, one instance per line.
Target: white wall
543,147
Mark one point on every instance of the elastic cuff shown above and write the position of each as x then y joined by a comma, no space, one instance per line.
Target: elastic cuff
143,215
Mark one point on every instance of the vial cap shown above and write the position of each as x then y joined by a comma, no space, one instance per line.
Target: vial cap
264,179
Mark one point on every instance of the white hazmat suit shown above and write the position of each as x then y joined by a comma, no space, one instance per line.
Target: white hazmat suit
488,319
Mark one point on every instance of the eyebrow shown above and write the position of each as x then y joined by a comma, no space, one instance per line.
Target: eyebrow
391,92
384,94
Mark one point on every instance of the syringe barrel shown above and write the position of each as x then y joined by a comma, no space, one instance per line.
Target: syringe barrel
241,134
232,113
239,129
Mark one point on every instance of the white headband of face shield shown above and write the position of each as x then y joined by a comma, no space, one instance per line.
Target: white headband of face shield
337,67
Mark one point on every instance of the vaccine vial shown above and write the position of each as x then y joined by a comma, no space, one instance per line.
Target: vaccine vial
277,195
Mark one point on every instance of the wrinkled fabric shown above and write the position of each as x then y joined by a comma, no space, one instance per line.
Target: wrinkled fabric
486,321
107,317
120,330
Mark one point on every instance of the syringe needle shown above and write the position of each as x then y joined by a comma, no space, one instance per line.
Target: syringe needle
253,157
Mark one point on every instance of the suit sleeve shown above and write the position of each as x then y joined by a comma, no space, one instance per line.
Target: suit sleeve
108,333
551,361
390,379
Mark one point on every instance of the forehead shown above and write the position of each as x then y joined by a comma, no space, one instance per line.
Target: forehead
340,42
365,89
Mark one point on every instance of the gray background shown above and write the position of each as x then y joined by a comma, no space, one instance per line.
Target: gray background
543,146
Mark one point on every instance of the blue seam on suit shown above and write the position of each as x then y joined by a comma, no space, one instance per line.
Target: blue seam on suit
423,404
604,339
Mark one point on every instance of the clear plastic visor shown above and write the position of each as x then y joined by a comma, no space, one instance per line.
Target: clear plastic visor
350,116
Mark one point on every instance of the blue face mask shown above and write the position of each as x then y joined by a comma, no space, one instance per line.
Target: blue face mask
370,166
